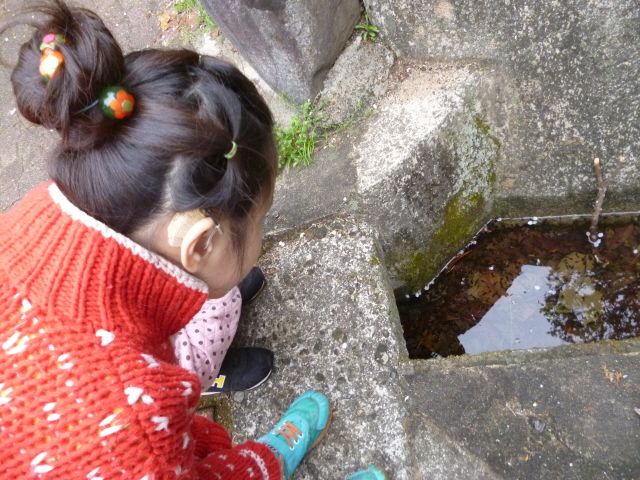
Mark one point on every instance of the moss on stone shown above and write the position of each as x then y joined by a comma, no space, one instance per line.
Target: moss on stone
462,217
485,129
616,345
475,153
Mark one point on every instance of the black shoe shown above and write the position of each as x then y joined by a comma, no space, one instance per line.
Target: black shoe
251,286
242,369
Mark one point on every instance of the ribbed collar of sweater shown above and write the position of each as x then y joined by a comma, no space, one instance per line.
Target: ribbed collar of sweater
76,268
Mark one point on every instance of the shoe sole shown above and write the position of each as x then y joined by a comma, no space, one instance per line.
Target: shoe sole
326,427
207,393
255,295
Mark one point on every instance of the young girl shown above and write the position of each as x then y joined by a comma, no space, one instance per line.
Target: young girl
161,180
162,177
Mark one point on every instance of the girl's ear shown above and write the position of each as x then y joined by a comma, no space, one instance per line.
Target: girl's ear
196,245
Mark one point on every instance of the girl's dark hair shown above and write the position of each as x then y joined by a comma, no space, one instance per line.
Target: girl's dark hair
168,156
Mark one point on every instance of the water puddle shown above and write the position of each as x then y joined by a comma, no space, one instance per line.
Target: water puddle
541,284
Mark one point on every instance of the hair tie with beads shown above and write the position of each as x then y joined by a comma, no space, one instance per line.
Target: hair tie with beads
116,102
51,58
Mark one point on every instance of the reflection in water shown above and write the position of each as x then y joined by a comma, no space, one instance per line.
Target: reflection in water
515,321
530,286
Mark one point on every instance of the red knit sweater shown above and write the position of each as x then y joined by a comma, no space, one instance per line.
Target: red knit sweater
89,386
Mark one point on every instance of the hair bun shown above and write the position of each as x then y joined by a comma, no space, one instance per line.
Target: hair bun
76,67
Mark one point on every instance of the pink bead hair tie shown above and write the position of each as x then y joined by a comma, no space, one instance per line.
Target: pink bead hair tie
51,58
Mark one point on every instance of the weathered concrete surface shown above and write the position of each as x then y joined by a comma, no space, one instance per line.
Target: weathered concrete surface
356,80
570,79
329,315
425,168
292,45
547,413
421,169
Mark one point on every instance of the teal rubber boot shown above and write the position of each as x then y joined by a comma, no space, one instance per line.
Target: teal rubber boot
371,473
299,430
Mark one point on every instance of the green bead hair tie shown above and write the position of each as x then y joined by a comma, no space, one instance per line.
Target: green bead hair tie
116,102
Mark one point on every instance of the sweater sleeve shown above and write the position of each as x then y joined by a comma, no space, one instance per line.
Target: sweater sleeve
218,458
189,445
111,412
161,411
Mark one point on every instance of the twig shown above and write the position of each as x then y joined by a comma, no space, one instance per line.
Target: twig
594,236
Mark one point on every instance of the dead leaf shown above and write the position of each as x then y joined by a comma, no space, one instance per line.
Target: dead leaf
613,377
430,341
575,263
487,286
214,33
618,237
166,18
192,22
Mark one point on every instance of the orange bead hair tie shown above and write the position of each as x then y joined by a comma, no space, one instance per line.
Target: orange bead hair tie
51,58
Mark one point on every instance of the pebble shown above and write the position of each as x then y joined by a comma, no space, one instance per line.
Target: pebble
539,426
238,397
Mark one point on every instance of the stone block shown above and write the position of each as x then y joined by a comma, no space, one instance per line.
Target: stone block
545,413
291,44
425,165
421,169
357,79
329,315
573,68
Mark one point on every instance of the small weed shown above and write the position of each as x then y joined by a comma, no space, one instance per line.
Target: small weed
370,32
193,6
296,143
351,120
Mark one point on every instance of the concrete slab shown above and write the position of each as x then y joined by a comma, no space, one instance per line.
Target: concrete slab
329,315
323,189
568,85
547,413
356,80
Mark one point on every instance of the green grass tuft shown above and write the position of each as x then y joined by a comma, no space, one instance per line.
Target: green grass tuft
296,143
193,6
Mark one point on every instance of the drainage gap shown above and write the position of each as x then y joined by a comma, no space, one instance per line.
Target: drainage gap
526,283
